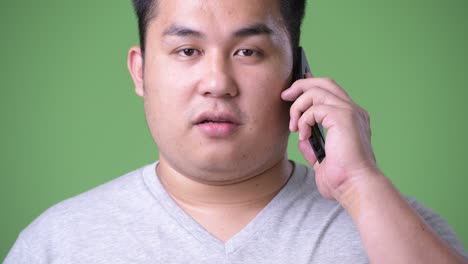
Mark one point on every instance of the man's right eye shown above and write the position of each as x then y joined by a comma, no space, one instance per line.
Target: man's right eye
188,52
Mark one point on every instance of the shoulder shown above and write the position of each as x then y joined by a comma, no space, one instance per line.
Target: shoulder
105,196
309,205
318,225
335,227
104,203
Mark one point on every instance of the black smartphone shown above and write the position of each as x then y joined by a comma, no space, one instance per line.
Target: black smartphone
317,141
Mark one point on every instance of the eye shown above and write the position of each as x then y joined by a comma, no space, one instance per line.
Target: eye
188,52
247,52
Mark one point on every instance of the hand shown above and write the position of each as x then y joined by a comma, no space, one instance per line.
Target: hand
349,174
348,149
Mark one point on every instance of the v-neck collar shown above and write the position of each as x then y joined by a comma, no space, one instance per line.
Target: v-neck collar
254,228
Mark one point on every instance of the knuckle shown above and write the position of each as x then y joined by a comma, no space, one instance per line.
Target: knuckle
365,114
294,110
349,113
348,108
329,81
303,122
300,122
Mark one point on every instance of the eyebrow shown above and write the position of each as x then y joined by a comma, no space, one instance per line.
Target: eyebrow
253,30
250,30
180,31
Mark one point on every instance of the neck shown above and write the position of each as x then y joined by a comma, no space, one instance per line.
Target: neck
255,190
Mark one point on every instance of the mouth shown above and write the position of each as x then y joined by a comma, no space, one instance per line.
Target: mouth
215,122
217,125
216,118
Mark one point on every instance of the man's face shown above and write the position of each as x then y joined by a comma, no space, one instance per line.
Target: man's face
212,76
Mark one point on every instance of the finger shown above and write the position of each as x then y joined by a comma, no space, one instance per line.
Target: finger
333,87
304,102
317,114
314,96
307,151
296,89
300,86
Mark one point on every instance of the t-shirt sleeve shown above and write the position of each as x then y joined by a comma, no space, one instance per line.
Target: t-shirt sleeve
439,225
21,253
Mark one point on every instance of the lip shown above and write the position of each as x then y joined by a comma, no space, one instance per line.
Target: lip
217,124
217,117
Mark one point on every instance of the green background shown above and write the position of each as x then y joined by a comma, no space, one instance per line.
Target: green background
70,119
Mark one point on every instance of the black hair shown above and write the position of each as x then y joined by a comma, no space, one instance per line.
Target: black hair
292,12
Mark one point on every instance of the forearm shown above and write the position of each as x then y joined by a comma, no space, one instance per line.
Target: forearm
391,231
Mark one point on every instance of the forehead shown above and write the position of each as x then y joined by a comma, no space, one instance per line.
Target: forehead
217,16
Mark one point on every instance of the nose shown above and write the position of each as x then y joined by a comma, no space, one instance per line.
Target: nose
217,79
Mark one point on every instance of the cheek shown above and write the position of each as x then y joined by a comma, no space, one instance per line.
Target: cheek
165,107
269,114
265,88
165,123
167,90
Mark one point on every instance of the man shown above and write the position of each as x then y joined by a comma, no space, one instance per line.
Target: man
216,79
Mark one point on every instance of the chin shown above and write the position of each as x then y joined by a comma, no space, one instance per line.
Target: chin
232,168
221,162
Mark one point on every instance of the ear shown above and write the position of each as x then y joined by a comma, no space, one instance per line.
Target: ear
135,67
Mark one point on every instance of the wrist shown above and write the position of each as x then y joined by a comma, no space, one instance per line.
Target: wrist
360,188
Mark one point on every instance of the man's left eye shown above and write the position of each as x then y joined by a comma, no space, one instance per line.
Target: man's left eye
246,52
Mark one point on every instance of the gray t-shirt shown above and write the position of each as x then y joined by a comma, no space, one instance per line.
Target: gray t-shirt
133,220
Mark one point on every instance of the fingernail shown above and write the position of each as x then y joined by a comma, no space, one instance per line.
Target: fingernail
301,135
